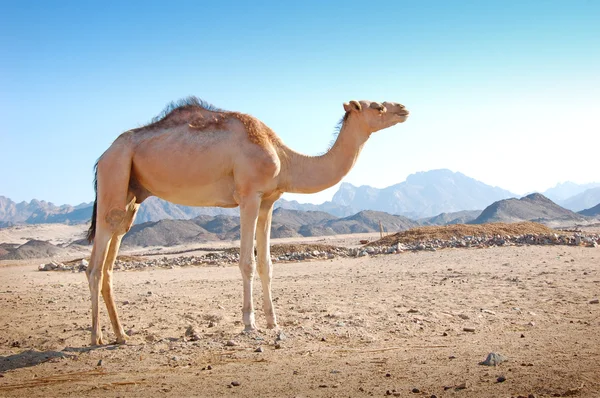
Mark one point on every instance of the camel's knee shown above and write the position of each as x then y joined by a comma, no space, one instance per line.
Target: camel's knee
248,268
106,287
265,269
115,218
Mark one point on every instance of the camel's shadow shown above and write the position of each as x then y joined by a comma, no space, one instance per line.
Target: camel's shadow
32,358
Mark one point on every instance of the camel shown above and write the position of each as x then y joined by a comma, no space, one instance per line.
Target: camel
194,154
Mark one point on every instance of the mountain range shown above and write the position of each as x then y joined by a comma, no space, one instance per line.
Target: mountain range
432,197
295,223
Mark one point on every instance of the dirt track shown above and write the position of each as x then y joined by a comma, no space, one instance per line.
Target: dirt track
353,327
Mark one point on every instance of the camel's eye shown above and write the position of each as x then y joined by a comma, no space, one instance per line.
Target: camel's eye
377,106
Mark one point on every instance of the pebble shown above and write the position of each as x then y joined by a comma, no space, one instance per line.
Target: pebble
469,329
236,383
493,359
231,343
416,390
99,363
259,349
594,301
280,336
501,379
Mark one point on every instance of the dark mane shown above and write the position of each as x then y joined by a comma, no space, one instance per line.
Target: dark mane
340,124
185,105
336,131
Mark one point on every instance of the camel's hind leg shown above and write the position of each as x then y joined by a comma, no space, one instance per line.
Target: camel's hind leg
94,275
110,220
107,270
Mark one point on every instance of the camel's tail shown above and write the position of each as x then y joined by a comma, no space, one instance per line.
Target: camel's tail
92,231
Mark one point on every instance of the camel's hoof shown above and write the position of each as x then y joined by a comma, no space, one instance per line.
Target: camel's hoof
250,329
121,340
272,326
98,341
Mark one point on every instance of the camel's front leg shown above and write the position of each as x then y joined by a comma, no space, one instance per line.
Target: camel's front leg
248,215
265,266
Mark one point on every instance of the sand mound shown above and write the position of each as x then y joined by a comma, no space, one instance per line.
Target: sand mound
459,230
33,249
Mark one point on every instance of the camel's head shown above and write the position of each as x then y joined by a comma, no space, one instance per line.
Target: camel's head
375,116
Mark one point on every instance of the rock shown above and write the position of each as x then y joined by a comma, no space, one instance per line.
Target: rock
131,332
493,359
461,386
415,391
231,343
259,349
236,383
99,363
463,316
192,334
469,329
501,379
280,336
594,301
150,338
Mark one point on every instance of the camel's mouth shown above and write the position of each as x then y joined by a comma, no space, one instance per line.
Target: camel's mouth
403,113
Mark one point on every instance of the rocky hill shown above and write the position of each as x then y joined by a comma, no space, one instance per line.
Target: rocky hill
40,211
567,190
423,194
459,217
591,212
533,207
31,249
584,200
286,223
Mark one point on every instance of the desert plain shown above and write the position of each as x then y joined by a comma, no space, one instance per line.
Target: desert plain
410,324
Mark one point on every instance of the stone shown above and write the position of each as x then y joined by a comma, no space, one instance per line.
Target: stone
493,359
595,301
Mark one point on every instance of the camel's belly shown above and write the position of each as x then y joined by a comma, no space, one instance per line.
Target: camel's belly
193,185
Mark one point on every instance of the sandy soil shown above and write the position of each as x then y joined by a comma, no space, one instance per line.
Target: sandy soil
366,326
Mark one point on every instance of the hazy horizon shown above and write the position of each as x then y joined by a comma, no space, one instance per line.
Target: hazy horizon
504,92
333,189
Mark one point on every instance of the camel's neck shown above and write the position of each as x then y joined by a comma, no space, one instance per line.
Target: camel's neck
310,174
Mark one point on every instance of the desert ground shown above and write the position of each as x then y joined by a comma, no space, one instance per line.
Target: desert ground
407,324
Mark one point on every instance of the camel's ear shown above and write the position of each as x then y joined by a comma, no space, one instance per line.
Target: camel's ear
352,106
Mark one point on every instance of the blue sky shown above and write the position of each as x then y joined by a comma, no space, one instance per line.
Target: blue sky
507,92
